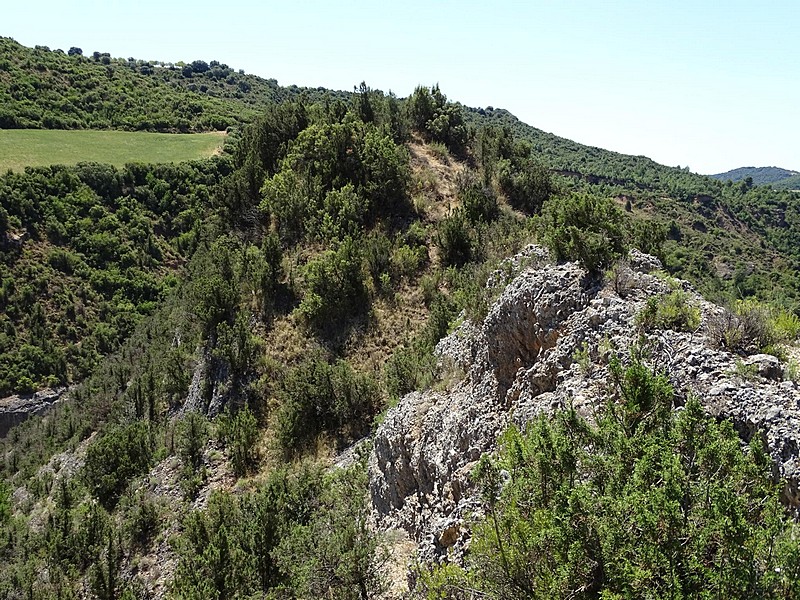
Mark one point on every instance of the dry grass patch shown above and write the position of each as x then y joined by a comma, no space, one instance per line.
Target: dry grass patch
434,180
394,321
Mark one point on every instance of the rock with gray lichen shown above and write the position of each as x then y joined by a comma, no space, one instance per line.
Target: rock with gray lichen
546,343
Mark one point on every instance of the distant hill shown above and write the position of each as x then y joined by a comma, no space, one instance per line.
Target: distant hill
790,183
774,176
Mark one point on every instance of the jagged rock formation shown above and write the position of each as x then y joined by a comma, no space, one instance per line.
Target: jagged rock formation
546,344
15,409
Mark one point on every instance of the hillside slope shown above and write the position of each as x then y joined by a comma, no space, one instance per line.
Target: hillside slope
728,240
85,253
51,89
550,348
790,183
286,356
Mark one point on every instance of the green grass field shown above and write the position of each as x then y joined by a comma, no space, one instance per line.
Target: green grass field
20,148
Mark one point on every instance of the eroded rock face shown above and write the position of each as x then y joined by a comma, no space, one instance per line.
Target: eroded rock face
15,409
528,318
425,449
545,344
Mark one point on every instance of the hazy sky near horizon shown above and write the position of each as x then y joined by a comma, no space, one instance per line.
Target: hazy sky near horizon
711,85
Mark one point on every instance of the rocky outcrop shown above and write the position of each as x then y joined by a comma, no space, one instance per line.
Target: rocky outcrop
12,241
545,344
425,449
15,409
527,320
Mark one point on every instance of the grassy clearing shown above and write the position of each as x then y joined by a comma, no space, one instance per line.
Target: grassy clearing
20,148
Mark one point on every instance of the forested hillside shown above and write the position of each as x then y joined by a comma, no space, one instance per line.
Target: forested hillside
732,240
790,183
233,325
774,177
54,89
87,252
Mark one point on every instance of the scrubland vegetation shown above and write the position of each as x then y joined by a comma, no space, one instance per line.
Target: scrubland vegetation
245,317
644,503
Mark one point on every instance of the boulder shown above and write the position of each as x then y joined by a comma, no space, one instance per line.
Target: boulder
766,366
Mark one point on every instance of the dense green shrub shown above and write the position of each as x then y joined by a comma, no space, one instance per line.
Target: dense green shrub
272,271
334,178
90,523
334,285
122,453
290,199
336,554
143,521
296,535
390,262
240,434
649,236
104,577
583,228
5,503
377,256
526,183
319,396
192,436
437,119
342,215
257,154
455,241
385,175
238,348
407,260
643,503
214,287
217,554
479,204
508,162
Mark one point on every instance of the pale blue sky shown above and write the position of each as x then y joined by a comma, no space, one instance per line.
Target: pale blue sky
711,85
